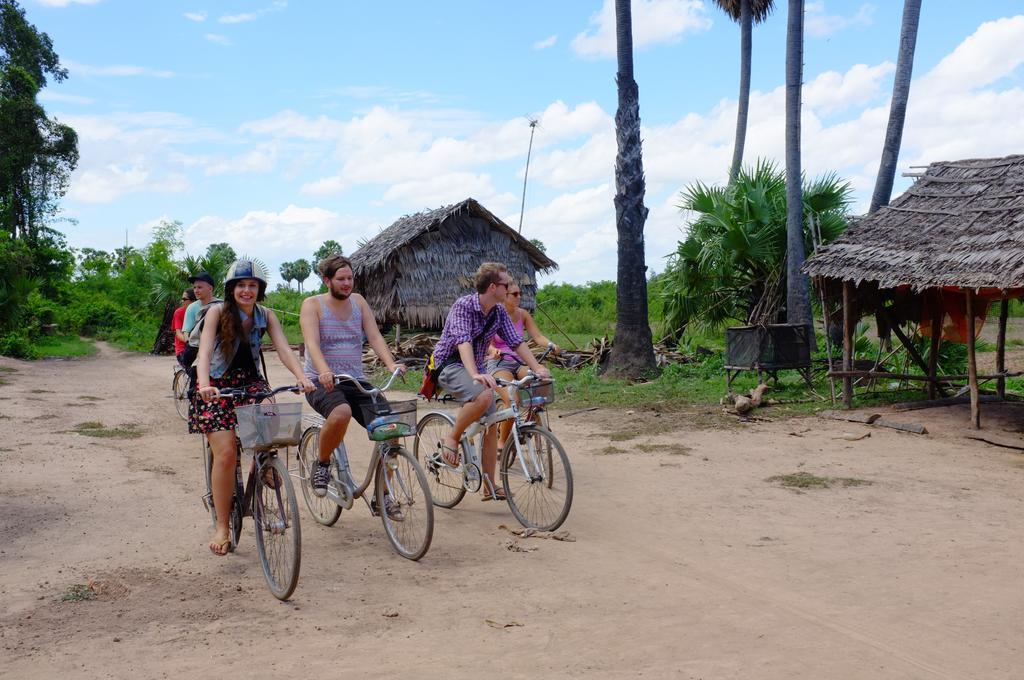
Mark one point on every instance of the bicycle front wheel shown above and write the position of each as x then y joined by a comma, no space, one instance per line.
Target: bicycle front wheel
446,486
179,390
275,513
324,510
539,485
405,505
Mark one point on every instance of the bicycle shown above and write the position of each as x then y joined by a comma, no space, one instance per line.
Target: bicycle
535,472
179,390
267,496
401,495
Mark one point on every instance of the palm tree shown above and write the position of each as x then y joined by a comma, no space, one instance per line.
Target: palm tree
633,351
746,13
898,107
730,266
798,293
287,271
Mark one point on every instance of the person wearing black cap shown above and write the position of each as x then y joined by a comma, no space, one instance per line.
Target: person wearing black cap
202,286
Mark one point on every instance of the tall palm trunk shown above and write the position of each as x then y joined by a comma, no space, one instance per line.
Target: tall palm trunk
746,22
633,351
798,298
898,107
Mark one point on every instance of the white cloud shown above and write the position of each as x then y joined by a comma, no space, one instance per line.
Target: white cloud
992,52
48,96
545,43
252,16
832,91
198,17
818,24
65,3
654,21
117,70
217,38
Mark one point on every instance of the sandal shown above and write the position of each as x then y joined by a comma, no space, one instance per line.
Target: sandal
449,455
220,548
496,494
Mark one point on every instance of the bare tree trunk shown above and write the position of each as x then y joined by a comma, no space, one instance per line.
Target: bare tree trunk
744,101
633,351
798,295
898,107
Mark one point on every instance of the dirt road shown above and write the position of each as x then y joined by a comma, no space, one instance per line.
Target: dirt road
687,562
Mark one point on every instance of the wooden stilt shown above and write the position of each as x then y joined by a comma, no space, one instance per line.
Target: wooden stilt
847,343
1004,311
933,351
398,336
972,364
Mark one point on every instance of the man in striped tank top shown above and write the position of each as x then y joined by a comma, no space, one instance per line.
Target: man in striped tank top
333,327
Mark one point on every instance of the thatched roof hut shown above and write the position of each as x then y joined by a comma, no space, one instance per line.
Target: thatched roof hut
961,224
412,272
939,254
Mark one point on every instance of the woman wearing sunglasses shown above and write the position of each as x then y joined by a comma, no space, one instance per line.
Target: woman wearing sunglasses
502,362
178,322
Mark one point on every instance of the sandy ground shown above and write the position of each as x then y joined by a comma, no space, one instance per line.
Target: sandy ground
687,563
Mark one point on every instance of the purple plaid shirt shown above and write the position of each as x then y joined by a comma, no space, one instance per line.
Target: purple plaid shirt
466,323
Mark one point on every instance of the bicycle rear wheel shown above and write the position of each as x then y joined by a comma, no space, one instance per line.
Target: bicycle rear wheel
410,527
538,488
179,390
446,486
275,512
324,510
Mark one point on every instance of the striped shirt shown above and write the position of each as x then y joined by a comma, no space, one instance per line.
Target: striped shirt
341,342
466,323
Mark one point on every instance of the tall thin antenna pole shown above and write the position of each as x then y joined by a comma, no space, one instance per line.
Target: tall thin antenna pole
522,208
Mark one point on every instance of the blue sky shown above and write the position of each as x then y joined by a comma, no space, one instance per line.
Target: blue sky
274,125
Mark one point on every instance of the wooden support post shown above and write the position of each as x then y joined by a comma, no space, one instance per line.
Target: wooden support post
938,312
972,363
1004,311
398,336
847,343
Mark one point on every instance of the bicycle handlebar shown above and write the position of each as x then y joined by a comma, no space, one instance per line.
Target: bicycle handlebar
235,393
345,377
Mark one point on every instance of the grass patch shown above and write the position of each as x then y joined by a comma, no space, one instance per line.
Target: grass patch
8,369
610,451
61,346
94,428
78,592
671,449
1015,342
38,391
89,397
805,480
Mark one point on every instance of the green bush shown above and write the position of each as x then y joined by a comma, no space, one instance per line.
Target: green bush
18,345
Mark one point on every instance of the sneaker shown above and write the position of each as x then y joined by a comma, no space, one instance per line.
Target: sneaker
321,478
394,511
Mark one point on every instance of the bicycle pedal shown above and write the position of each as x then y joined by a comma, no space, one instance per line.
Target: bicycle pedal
208,502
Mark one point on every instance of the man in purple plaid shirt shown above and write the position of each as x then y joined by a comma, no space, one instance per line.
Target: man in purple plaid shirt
472,321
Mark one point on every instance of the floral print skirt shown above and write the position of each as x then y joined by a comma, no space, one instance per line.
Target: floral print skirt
219,414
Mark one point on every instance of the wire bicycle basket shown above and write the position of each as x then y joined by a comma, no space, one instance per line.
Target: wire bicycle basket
269,426
390,420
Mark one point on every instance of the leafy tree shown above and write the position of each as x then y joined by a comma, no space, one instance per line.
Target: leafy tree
898,106
95,263
37,154
538,244
329,247
23,46
287,272
633,351
222,251
746,13
301,269
731,266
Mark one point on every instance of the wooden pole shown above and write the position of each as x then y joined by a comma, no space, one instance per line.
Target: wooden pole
398,337
972,364
1004,311
933,351
847,343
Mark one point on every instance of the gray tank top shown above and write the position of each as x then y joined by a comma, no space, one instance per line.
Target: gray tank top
341,342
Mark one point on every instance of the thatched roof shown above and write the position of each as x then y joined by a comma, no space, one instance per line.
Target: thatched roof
378,250
414,270
961,224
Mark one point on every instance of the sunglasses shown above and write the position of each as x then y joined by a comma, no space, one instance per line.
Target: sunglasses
515,294
185,299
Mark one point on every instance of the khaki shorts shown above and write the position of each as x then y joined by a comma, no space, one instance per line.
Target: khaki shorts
454,379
